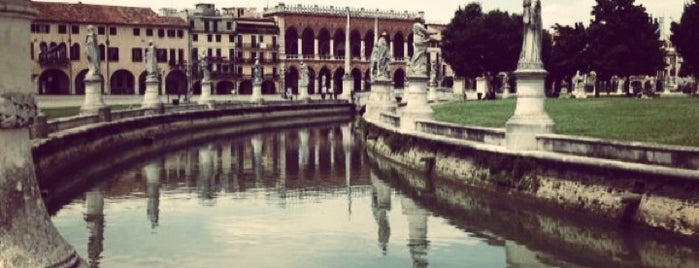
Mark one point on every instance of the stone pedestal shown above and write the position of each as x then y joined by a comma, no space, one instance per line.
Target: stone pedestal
152,97
256,92
530,118
380,100
481,87
205,97
93,96
27,236
347,85
579,92
417,108
432,93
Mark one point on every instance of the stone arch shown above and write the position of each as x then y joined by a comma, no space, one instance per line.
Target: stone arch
196,88
53,81
410,45
339,43
337,80
399,78
292,80
176,83
398,45
368,43
53,44
224,87
121,83
142,83
324,72
307,43
80,82
291,41
245,87
268,87
324,42
357,78
355,44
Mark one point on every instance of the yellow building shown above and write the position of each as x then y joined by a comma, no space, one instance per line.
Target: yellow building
57,48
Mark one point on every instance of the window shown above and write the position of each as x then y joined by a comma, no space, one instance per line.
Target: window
112,31
262,38
75,29
136,54
240,70
195,54
209,52
229,25
253,41
173,56
274,57
195,38
75,52
180,34
240,41
231,38
40,28
180,55
191,24
62,28
149,32
136,31
161,33
206,26
218,38
31,50
215,26
113,54
209,38
218,52
101,48
231,53
171,33
274,71
240,55
100,30
161,55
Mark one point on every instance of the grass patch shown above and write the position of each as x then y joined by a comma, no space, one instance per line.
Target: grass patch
661,120
53,113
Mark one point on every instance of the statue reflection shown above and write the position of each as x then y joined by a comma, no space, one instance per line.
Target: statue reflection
257,159
281,183
206,174
417,231
347,148
303,152
94,219
380,205
152,171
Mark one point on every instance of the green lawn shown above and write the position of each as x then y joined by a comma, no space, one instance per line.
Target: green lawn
53,113
660,120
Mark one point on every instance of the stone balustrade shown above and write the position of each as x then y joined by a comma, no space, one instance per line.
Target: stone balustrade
491,136
390,119
340,11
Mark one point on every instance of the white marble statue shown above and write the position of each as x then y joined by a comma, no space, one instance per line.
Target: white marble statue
421,38
151,61
204,67
93,55
380,59
530,57
578,81
304,74
257,72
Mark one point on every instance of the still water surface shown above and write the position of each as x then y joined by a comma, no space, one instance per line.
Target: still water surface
294,198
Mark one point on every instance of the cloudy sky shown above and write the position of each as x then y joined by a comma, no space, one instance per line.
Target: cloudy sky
436,11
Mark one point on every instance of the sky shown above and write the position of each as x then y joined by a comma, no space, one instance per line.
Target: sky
565,12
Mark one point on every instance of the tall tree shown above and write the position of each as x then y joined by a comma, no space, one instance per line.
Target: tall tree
623,40
568,52
474,42
685,38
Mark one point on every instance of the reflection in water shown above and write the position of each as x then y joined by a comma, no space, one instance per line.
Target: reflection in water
312,193
94,218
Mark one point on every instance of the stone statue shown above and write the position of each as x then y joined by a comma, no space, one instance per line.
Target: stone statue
257,72
304,74
93,55
151,61
530,57
421,38
380,59
204,67
505,82
323,82
578,81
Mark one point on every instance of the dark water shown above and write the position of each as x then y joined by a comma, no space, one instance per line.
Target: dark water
314,198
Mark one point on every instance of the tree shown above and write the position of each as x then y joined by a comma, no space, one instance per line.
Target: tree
623,40
568,52
685,38
475,43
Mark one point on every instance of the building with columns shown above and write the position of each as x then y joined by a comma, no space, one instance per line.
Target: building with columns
57,54
316,35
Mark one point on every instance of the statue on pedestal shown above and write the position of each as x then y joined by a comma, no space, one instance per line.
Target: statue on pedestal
380,59
304,74
204,67
530,57
257,72
151,61
92,52
421,38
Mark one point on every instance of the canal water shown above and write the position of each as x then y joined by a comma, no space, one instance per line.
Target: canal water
315,198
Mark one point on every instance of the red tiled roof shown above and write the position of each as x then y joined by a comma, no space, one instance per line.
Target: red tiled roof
100,14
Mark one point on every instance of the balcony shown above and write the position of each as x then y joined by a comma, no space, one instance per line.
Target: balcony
54,57
258,46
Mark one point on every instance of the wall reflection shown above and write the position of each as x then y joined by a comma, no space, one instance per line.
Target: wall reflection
94,219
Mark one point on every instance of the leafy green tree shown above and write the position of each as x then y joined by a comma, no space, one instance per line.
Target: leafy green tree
475,43
686,38
568,51
623,40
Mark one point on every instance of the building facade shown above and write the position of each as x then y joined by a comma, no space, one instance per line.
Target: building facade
57,48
